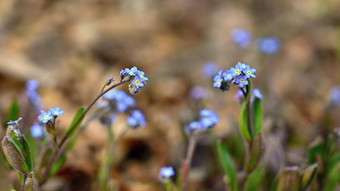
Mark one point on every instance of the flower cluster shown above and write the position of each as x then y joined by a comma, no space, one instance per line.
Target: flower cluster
46,116
208,119
238,75
137,78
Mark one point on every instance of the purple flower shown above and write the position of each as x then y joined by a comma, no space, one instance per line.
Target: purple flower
269,45
37,130
238,95
45,117
14,122
257,93
198,92
241,37
136,119
56,111
241,81
210,69
249,72
166,172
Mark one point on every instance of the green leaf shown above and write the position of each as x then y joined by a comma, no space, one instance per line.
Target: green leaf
103,172
254,179
258,115
27,153
333,179
58,165
13,111
255,153
335,159
243,121
227,164
73,126
307,176
315,151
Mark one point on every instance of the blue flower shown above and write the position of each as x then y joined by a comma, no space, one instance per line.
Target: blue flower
241,65
123,73
227,75
257,93
194,125
208,118
31,91
14,122
249,72
269,45
335,94
138,82
241,81
141,75
136,119
56,111
132,71
37,130
166,172
237,70
32,85
210,69
121,99
241,37
218,80
45,117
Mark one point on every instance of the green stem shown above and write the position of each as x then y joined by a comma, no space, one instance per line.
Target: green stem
57,153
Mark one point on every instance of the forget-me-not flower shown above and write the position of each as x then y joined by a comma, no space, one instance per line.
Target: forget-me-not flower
208,118
241,81
218,79
14,122
56,111
249,72
45,117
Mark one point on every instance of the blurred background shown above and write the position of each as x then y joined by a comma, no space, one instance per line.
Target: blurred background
73,47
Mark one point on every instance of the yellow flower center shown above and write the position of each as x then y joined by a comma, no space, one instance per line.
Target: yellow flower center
141,76
237,71
219,81
242,80
46,117
137,82
249,72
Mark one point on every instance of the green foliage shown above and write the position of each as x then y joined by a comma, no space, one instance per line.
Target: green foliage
255,153
307,176
75,124
258,115
58,165
244,123
13,111
254,179
228,165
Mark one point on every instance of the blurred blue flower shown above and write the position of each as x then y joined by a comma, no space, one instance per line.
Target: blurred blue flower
335,94
45,117
14,122
241,81
101,104
194,125
249,72
136,119
210,69
198,92
141,75
166,172
31,91
56,111
122,100
257,93
218,79
269,45
241,37
32,85
208,118
37,131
